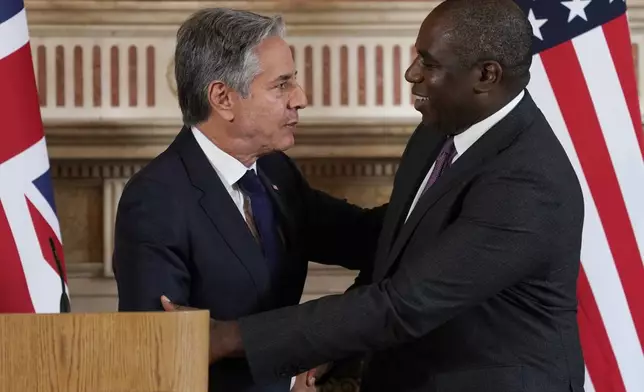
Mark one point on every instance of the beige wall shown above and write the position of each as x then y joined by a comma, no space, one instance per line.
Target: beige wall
108,104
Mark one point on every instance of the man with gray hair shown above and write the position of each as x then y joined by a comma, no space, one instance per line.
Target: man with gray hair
223,220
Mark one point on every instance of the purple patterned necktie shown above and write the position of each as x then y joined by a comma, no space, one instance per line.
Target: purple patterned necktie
443,161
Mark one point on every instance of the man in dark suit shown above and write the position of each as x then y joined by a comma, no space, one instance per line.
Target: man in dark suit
223,220
474,283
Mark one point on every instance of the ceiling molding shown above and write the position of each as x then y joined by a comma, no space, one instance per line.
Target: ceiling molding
307,15
329,17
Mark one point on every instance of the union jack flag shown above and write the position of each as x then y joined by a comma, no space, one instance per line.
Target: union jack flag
29,275
583,80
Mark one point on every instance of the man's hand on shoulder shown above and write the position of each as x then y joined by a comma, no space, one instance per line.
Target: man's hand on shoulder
225,336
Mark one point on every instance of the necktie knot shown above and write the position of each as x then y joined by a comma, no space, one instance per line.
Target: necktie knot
251,184
447,153
443,161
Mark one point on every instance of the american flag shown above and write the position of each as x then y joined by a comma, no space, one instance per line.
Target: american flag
29,275
583,79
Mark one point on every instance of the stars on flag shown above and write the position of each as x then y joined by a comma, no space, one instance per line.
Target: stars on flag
570,17
536,24
577,9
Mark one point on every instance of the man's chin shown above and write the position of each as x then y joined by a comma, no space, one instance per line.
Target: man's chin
286,142
427,120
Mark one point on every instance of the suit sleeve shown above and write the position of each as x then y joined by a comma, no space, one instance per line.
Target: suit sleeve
336,231
148,259
500,236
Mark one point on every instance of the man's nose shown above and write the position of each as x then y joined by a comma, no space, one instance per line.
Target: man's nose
413,74
298,98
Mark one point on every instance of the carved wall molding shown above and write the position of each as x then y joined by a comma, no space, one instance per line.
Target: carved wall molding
125,79
92,169
311,168
332,17
105,91
354,169
367,138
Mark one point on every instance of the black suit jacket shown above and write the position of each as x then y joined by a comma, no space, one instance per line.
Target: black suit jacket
179,233
475,292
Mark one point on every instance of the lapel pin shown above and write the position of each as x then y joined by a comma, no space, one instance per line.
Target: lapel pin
275,187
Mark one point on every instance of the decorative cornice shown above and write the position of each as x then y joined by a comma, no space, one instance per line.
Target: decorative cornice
326,15
318,168
352,168
93,169
330,16
129,140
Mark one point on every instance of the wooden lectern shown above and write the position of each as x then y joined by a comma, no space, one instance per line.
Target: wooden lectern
104,352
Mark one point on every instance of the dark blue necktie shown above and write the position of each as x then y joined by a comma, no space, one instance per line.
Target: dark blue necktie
263,216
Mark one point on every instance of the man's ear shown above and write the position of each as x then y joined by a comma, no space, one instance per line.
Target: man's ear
221,99
488,74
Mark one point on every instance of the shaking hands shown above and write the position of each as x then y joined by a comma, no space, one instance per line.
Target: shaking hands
226,342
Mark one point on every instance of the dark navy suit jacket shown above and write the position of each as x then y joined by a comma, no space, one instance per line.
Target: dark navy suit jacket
179,233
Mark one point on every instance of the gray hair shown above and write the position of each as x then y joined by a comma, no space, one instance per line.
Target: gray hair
218,44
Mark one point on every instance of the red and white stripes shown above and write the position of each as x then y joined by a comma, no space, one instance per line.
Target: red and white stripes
578,88
14,34
29,276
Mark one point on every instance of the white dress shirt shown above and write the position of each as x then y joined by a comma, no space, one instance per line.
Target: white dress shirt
229,169
466,139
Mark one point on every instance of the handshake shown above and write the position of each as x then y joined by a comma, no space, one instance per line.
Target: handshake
226,342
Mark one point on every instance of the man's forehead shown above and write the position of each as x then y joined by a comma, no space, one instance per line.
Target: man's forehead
434,32
274,56
270,45
273,48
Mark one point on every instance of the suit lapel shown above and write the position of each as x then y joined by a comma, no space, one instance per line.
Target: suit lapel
420,162
423,147
460,171
470,163
222,211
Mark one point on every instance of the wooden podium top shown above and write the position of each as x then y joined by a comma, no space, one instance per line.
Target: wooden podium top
105,352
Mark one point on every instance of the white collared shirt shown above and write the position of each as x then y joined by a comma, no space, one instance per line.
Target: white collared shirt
228,168
466,139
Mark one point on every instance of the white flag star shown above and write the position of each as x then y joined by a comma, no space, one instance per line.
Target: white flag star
577,8
536,24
